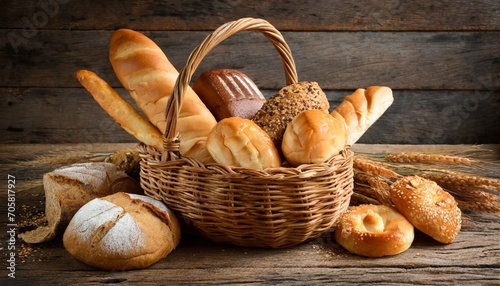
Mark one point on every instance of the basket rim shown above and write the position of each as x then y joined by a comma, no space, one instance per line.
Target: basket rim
303,170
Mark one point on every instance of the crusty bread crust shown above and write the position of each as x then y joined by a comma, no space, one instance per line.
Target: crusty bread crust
144,70
313,137
291,100
428,207
240,142
229,93
363,108
122,232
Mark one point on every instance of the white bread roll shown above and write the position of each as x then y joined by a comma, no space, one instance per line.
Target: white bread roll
374,231
313,137
240,142
362,108
144,70
122,232
291,100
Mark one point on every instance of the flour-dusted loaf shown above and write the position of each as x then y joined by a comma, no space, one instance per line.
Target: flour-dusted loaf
229,93
70,187
280,109
122,232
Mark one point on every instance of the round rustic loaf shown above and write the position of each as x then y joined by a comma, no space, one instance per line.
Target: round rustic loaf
122,232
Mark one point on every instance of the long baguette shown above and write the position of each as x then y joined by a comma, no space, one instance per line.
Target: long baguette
144,70
120,110
362,108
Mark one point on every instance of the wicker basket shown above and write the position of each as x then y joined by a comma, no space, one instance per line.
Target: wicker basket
278,207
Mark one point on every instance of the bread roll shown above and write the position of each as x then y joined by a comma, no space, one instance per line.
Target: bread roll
312,137
122,232
144,70
240,142
280,109
374,231
68,188
229,93
362,108
428,207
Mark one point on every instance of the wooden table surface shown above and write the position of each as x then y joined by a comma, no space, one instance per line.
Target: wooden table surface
473,259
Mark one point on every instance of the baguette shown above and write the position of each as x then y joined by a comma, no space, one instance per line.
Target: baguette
120,110
144,70
361,109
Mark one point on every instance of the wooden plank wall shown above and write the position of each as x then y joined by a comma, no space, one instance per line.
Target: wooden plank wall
441,58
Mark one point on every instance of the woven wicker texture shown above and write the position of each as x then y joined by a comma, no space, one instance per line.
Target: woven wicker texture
278,207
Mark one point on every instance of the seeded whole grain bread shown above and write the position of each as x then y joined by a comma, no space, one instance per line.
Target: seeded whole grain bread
280,109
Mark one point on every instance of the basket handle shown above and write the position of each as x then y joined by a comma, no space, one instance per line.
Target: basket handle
170,138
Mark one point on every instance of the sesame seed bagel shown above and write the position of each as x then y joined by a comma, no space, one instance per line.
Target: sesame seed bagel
428,207
374,231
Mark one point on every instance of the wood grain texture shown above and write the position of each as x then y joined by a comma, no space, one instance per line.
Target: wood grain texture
336,60
470,260
340,15
440,58
416,117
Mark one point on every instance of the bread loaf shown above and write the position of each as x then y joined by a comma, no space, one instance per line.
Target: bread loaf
229,93
362,108
122,232
240,142
69,188
312,137
120,110
144,70
280,109
428,207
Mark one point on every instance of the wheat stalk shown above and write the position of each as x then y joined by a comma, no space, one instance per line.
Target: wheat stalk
414,157
378,186
372,167
373,175
456,180
359,199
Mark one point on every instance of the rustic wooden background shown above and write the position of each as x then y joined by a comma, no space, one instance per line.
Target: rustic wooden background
441,58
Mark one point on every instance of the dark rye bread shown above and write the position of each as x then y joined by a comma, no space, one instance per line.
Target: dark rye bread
280,109
229,93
